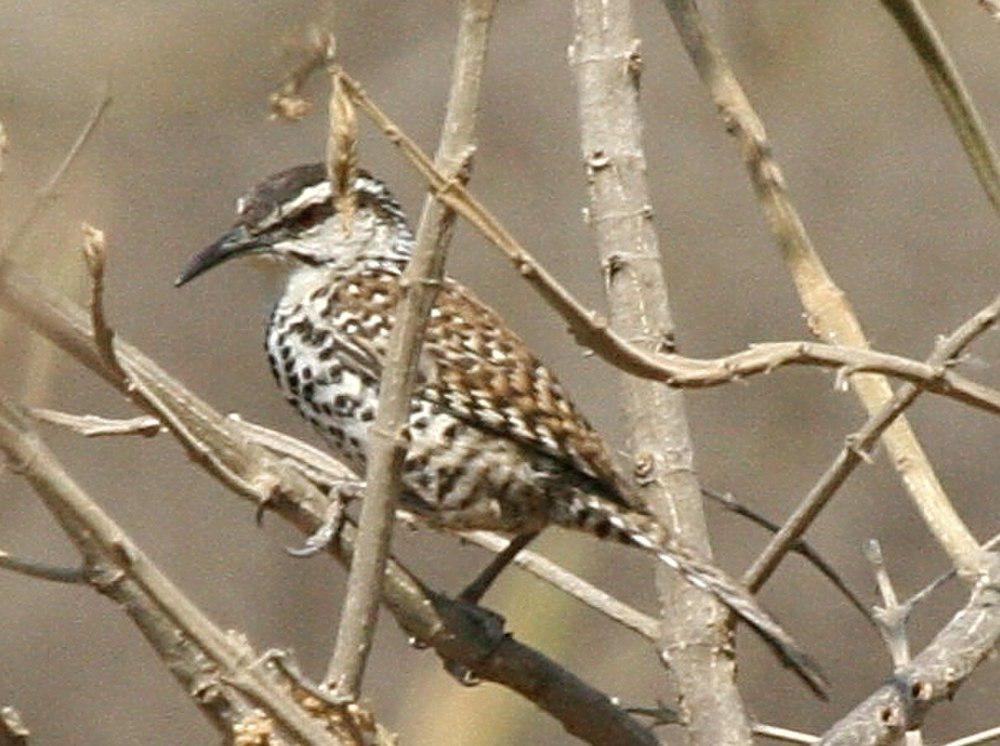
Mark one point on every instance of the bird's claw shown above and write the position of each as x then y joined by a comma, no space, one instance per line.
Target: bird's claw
323,536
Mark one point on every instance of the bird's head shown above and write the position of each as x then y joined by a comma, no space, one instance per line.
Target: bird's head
291,217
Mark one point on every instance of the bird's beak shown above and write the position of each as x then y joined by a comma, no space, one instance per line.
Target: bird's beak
235,243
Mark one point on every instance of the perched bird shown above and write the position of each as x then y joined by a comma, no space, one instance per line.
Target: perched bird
493,442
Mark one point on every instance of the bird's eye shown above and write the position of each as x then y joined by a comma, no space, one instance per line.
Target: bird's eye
314,214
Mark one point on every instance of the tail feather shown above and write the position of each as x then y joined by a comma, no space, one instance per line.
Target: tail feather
597,516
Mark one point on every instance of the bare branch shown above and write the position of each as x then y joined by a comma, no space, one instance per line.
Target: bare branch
420,283
92,426
578,588
177,629
223,447
933,676
696,639
591,331
287,102
856,450
48,193
95,250
892,618
3,148
985,736
828,312
917,25
928,589
42,570
801,547
323,469
783,734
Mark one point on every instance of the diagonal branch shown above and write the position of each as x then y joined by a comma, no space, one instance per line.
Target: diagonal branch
829,313
177,629
420,282
855,451
48,193
592,332
42,570
224,448
933,676
917,25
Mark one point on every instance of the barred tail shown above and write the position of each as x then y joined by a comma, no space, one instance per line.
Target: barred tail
608,520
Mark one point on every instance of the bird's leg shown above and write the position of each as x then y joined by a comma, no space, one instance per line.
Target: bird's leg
340,494
475,590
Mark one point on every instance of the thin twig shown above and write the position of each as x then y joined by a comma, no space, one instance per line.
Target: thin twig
591,330
223,447
801,547
993,734
856,450
92,426
933,676
914,21
783,734
828,311
420,281
696,640
928,589
4,143
287,102
48,193
578,588
42,570
95,251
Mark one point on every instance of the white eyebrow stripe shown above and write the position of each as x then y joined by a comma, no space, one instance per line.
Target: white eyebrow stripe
314,195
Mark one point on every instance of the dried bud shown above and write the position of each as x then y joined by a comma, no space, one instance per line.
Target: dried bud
94,249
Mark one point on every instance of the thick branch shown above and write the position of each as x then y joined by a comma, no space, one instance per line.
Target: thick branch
420,283
221,445
695,637
933,676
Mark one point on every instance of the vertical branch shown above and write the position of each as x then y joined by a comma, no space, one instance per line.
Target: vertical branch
891,618
420,285
829,313
696,639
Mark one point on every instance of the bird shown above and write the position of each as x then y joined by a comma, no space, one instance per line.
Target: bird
493,441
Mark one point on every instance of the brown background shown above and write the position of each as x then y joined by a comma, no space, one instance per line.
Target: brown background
874,168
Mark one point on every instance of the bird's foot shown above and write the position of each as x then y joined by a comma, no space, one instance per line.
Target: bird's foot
333,521
491,626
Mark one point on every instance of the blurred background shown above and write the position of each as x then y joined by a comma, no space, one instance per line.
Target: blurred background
874,168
